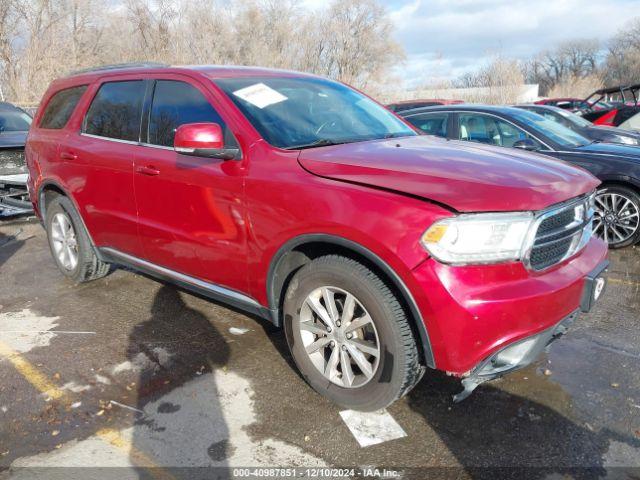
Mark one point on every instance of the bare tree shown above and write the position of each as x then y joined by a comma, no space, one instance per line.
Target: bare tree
570,59
622,63
498,81
356,43
580,87
43,39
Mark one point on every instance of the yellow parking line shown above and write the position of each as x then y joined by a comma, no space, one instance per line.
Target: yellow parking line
624,282
30,373
138,458
42,383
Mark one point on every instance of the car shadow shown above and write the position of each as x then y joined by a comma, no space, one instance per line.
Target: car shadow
495,433
9,245
180,423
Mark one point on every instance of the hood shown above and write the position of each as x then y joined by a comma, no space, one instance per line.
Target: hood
464,176
614,149
608,132
12,139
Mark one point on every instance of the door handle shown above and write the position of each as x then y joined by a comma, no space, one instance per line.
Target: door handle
148,170
68,156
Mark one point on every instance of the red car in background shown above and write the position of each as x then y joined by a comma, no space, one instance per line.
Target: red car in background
418,103
623,110
567,103
381,252
576,105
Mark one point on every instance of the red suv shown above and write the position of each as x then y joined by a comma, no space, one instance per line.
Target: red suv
380,251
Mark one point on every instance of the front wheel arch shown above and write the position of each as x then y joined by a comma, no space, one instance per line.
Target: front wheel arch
299,251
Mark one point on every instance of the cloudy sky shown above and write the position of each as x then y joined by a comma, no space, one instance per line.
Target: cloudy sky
445,38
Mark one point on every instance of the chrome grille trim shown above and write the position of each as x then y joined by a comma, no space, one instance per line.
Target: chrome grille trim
575,234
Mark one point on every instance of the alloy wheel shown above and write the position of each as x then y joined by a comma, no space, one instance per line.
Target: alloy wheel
339,336
64,242
616,218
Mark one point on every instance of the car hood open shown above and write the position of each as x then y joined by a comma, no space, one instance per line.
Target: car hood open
463,176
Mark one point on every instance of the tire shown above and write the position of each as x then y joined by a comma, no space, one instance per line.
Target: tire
87,266
617,217
396,369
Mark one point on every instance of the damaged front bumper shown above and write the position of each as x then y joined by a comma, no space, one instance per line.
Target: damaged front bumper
14,195
513,357
524,352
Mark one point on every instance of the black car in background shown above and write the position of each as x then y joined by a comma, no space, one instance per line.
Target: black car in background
585,127
617,218
14,125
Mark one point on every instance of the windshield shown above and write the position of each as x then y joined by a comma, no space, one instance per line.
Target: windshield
555,132
293,112
14,121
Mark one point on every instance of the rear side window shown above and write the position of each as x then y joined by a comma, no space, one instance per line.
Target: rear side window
61,106
176,103
116,111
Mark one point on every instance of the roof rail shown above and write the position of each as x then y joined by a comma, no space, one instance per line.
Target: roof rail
118,66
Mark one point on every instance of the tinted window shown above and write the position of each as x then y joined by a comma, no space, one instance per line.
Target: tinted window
177,103
14,121
116,110
61,106
490,130
431,123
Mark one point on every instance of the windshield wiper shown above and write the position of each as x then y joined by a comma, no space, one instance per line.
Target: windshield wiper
323,142
401,134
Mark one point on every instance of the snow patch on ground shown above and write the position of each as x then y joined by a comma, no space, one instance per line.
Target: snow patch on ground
202,423
142,362
621,455
74,387
24,330
102,379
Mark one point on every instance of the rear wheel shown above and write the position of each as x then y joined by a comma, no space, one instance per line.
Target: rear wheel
617,216
349,335
70,244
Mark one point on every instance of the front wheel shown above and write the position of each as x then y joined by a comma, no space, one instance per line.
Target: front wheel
617,216
349,335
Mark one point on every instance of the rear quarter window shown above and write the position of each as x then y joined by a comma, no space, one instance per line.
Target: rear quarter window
116,111
60,107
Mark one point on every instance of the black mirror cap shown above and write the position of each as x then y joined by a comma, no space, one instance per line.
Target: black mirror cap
218,153
526,144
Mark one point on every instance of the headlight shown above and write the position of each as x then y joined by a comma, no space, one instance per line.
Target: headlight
478,238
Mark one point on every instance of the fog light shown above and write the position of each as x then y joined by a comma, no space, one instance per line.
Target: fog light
509,358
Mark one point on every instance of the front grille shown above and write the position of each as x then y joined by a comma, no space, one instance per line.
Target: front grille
560,233
12,162
556,222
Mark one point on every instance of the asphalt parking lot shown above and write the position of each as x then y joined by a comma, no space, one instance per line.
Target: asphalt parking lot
129,372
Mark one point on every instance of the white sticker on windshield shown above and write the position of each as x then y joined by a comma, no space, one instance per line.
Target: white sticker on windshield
260,95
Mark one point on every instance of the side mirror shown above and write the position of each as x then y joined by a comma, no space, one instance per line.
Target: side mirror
203,140
526,144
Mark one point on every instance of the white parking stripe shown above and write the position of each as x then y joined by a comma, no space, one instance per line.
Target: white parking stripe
371,428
